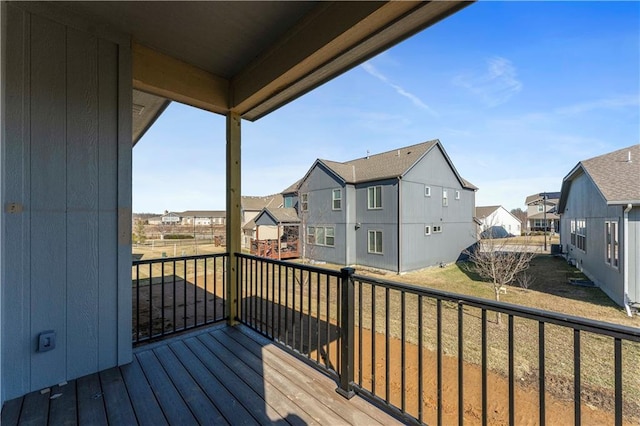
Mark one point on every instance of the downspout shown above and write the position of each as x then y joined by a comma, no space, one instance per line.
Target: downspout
399,225
625,278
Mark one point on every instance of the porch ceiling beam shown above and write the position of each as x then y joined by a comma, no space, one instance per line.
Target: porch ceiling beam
334,38
163,75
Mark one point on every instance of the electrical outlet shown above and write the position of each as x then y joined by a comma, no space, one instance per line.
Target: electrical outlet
46,341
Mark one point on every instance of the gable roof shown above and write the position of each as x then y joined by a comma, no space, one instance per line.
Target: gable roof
386,165
484,211
552,198
279,215
258,203
616,175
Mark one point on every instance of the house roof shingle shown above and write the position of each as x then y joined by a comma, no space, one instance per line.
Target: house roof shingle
386,165
484,211
283,214
258,203
617,178
552,198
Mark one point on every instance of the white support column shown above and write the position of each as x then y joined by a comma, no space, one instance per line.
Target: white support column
234,213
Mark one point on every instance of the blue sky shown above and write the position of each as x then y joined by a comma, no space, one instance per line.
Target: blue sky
517,92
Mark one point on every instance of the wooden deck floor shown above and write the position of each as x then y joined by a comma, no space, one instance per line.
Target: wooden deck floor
222,375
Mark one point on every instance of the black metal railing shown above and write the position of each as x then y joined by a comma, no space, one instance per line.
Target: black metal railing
435,357
296,305
171,295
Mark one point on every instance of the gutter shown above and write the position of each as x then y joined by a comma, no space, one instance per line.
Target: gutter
625,277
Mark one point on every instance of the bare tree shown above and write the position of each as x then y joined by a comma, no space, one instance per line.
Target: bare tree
139,232
499,263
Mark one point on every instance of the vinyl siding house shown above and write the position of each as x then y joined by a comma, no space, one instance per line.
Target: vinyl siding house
542,212
401,210
76,82
600,231
497,220
203,217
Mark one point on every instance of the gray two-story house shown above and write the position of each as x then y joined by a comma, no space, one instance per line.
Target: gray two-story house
600,222
400,210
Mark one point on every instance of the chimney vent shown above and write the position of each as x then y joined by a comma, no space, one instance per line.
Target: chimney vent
629,157
367,154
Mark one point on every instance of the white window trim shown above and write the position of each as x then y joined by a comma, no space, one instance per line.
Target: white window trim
427,230
583,235
427,191
304,202
457,195
369,189
324,235
369,232
334,199
445,198
437,229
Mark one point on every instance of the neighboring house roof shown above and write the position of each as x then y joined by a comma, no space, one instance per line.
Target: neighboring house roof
249,225
552,198
387,165
484,211
203,213
616,175
280,215
293,188
258,203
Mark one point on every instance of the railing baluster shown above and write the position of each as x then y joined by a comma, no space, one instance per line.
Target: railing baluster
318,322
460,365
184,287
439,357
576,378
512,390
162,297
386,344
175,305
541,359
618,380
403,361
279,302
373,339
150,316
309,315
273,301
360,333
301,314
420,366
484,366
195,292
328,303
137,303
205,290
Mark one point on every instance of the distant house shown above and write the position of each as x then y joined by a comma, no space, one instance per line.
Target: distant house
251,206
401,210
497,222
542,214
600,232
203,217
170,218
277,233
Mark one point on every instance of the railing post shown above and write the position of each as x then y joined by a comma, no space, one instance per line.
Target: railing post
347,330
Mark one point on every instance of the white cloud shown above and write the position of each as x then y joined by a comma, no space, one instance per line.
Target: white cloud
495,85
369,68
609,103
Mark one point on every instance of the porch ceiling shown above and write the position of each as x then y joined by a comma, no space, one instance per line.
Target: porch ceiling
251,57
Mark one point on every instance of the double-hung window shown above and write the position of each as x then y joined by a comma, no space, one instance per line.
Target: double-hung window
445,199
581,234
374,197
612,256
375,242
311,235
336,199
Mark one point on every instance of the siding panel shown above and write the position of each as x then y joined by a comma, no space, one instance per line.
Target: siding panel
48,198
82,203
107,202
16,326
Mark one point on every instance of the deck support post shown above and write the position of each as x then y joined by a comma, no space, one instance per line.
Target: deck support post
234,214
347,331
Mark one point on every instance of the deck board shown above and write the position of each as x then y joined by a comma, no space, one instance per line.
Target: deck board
220,375
63,409
117,402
